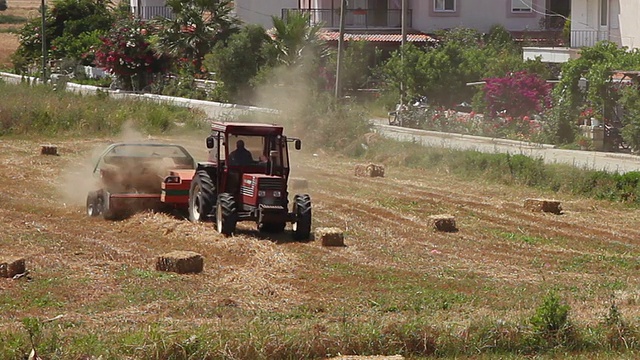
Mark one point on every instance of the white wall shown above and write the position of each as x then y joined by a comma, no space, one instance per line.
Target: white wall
629,20
260,11
477,14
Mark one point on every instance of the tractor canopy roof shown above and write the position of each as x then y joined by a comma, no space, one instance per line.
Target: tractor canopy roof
239,128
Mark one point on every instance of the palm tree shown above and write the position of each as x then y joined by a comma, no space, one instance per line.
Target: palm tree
197,27
296,38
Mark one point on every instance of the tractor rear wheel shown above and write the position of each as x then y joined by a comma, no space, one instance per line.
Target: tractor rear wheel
94,204
202,196
302,210
226,214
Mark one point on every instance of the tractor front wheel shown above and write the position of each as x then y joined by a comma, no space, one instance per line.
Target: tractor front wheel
302,210
201,197
226,214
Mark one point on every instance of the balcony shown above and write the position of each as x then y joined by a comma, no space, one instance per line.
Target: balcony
354,18
582,38
150,12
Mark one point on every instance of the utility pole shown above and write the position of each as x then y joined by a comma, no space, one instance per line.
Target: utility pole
338,92
404,22
44,42
403,18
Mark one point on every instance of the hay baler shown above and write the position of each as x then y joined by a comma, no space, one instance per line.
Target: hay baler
132,177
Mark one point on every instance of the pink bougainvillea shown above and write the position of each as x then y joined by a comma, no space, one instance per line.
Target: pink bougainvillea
126,50
517,94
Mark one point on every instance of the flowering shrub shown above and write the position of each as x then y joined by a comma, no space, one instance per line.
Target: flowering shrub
125,51
517,95
522,128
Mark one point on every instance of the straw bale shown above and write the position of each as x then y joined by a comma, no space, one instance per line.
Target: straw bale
48,150
11,266
443,222
369,170
181,262
330,236
543,205
298,183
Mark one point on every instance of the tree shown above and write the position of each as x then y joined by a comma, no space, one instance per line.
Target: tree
67,22
296,40
630,100
596,65
239,59
442,72
197,27
359,56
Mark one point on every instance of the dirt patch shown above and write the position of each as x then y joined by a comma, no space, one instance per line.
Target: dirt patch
8,45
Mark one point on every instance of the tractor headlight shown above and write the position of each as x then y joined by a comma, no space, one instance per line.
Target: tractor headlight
261,193
277,193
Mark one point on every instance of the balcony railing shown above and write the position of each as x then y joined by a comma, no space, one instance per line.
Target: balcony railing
581,38
150,12
354,18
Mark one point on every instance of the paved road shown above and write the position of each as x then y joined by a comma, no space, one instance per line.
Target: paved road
586,159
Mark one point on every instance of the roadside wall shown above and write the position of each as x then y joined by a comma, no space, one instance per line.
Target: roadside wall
214,110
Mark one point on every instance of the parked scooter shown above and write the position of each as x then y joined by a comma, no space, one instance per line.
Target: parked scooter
409,116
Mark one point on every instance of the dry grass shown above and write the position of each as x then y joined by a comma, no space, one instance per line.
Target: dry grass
8,45
8,41
101,275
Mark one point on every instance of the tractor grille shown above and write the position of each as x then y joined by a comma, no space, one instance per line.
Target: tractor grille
270,184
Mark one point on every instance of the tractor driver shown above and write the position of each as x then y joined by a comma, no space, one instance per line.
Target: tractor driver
240,156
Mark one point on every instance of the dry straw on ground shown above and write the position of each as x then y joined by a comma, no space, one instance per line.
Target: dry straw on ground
543,205
369,170
298,183
181,262
330,236
11,266
443,222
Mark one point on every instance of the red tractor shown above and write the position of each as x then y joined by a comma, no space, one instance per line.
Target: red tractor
244,178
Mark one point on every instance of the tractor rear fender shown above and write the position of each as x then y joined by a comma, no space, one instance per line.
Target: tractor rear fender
210,167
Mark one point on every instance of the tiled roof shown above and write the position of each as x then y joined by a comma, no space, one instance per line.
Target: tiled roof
375,37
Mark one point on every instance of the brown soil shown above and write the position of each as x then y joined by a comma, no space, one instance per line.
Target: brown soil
499,264
8,45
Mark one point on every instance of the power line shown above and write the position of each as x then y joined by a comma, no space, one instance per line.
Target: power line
253,11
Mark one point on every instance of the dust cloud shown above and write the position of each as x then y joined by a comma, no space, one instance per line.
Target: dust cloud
288,90
78,179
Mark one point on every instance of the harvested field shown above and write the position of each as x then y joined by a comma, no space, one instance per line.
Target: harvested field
100,275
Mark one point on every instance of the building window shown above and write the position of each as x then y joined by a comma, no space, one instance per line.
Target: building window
444,5
604,12
521,6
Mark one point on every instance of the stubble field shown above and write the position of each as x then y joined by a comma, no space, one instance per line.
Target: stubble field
394,269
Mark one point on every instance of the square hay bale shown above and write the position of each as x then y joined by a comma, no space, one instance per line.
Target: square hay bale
181,262
330,236
48,150
298,183
543,205
443,222
369,170
11,266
